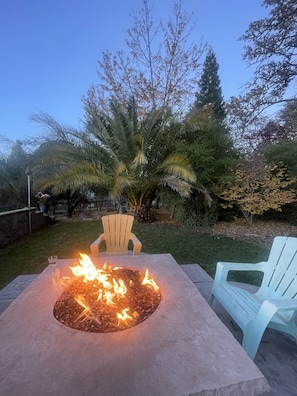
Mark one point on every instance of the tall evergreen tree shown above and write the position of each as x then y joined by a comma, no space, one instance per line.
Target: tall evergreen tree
209,148
210,91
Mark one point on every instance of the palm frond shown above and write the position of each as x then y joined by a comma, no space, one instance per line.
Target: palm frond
55,131
122,180
177,165
140,158
176,184
81,175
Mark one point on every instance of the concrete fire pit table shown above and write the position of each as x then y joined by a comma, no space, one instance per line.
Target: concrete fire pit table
182,349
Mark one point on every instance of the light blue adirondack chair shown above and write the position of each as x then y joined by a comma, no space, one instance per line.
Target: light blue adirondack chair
274,304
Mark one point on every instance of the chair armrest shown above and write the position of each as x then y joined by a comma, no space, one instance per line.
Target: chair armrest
95,245
224,267
283,304
269,308
137,245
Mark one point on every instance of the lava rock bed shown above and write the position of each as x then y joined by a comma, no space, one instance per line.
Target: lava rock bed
98,317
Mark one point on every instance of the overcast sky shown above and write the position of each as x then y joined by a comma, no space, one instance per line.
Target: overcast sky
50,49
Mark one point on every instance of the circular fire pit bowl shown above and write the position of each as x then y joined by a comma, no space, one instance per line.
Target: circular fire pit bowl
88,306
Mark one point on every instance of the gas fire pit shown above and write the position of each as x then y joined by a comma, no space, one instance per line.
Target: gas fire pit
182,348
108,299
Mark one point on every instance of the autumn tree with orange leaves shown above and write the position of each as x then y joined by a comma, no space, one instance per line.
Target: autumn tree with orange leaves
258,187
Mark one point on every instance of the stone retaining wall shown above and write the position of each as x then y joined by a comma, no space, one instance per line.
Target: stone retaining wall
15,224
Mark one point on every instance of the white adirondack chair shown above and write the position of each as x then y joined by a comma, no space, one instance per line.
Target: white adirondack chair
274,305
116,234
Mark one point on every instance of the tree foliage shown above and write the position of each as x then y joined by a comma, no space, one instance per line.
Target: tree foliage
288,117
118,152
258,187
210,90
208,147
13,179
244,123
280,138
285,152
270,134
251,130
159,68
271,48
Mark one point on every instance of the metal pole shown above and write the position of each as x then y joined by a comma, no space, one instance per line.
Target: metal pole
29,201
29,204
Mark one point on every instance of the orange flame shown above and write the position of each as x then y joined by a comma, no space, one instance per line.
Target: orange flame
86,268
108,297
119,287
87,312
148,280
123,315
108,288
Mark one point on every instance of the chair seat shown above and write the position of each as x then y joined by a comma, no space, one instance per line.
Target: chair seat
244,306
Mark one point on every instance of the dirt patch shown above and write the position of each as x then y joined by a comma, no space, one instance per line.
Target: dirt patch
260,232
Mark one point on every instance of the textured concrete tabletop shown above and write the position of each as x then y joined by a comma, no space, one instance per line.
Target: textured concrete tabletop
182,349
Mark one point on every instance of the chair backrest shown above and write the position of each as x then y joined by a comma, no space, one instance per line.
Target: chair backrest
117,230
280,276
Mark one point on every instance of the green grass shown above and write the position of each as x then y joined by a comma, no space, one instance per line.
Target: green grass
67,239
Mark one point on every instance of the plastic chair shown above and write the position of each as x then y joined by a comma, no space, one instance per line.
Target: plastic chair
274,305
116,234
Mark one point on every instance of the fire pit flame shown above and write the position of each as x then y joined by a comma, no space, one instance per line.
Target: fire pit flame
119,288
149,281
124,315
88,270
101,298
87,309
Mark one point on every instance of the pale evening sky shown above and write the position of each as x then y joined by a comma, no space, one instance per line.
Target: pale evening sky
49,51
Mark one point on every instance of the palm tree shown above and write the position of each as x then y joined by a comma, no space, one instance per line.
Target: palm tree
131,158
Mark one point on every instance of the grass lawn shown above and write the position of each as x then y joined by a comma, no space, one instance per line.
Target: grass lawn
67,239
